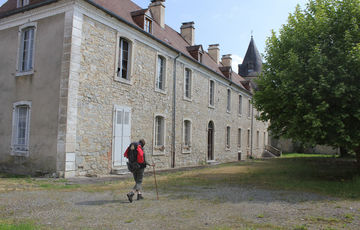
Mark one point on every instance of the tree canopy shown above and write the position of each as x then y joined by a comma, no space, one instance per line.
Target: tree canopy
310,86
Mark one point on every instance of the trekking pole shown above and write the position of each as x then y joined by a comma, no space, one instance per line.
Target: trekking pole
157,193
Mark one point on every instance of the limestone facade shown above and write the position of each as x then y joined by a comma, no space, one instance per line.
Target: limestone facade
88,92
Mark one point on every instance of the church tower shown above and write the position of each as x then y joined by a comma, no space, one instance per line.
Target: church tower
252,64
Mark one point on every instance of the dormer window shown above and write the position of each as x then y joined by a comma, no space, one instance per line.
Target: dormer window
148,25
21,3
200,57
196,52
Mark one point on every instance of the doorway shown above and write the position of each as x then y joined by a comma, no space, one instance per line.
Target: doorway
122,134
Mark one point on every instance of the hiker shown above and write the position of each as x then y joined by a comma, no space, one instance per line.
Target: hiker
136,165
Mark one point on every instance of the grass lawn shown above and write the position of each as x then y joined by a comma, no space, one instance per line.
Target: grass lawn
320,174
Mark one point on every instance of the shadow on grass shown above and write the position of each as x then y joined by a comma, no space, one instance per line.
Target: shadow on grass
102,202
291,180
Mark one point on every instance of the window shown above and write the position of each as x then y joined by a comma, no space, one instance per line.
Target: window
257,139
264,139
187,82
160,76
212,93
248,138
249,108
21,3
228,137
148,25
240,105
124,60
228,108
200,57
21,128
187,133
26,48
159,131
239,138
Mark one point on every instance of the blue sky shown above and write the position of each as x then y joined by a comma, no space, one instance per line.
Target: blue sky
228,22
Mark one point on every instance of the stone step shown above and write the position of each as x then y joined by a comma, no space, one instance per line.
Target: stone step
120,171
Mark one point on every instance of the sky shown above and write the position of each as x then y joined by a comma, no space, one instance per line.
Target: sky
228,23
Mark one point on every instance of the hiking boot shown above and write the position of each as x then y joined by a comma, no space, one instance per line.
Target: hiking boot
130,196
140,197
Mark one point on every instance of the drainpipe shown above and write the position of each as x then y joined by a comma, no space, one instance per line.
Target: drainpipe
251,131
174,114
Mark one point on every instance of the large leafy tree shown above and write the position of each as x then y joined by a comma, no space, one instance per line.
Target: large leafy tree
310,86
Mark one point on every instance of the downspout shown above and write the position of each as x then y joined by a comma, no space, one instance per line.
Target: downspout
251,131
174,114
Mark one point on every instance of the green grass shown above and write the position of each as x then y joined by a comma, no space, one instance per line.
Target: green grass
10,225
324,175
298,155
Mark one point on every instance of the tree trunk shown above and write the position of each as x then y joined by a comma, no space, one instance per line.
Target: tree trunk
357,152
344,152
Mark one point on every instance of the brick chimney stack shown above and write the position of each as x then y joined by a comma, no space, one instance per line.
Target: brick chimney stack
157,9
226,60
214,52
188,32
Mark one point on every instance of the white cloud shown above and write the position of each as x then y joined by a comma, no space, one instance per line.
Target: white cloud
236,60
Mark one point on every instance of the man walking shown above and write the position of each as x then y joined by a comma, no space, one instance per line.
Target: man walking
137,164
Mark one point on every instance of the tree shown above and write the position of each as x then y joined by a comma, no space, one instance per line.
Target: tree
310,85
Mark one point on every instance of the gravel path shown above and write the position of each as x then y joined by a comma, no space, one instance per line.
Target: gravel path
219,207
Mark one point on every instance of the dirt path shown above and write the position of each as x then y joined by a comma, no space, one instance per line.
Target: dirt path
195,207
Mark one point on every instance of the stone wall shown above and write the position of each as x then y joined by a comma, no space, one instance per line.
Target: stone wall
99,92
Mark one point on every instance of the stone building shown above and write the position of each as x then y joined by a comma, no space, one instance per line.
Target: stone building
81,79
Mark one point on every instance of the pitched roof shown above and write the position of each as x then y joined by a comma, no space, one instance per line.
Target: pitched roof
123,9
252,63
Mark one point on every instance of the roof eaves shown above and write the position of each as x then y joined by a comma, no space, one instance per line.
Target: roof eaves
26,8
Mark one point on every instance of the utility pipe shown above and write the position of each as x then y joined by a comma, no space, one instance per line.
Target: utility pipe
174,114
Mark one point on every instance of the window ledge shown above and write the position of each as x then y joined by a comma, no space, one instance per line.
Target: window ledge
187,99
211,106
239,115
20,153
186,150
227,149
125,81
160,91
228,111
25,73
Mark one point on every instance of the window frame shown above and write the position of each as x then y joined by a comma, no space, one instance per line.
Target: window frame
240,105
22,3
239,137
249,108
20,52
128,79
164,79
15,129
159,149
211,94
148,27
248,139
186,97
228,100
186,148
228,137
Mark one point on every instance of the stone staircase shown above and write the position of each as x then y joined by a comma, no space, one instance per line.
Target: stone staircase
271,152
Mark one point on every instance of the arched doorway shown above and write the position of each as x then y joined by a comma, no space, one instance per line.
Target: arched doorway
211,141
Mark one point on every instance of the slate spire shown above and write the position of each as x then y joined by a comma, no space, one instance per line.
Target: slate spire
252,63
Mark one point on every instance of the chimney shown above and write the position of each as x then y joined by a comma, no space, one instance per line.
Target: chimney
214,52
157,9
188,32
226,60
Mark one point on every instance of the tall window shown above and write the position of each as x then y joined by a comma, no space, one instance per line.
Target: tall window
159,131
228,137
148,25
264,139
240,105
160,76
249,108
187,82
124,54
239,138
21,128
26,54
257,139
228,108
212,93
21,3
187,133
248,138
